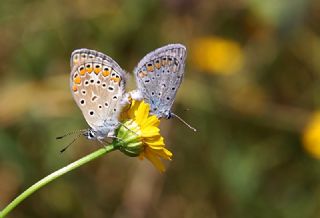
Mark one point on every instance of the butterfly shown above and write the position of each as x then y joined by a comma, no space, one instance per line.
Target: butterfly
158,76
97,84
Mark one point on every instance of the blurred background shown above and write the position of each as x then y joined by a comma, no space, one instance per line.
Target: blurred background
252,85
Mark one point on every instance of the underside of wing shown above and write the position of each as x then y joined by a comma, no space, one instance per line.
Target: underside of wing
159,75
98,84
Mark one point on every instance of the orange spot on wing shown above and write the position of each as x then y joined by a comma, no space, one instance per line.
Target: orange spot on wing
116,80
164,61
157,64
97,70
74,88
150,68
77,80
89,70
141,75
82,72
106,73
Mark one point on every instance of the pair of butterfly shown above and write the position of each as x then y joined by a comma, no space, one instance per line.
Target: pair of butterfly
98,86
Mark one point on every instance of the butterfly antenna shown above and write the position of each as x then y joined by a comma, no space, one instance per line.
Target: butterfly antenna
65,148
184,122
71,133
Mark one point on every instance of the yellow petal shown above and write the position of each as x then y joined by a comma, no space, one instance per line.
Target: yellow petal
163,152
133,107
141,114
151,121
150,131
154,141
154,160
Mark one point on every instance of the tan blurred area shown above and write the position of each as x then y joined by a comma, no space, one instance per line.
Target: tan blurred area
251,88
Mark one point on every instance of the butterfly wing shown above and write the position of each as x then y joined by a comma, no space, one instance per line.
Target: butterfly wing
159,75
97,83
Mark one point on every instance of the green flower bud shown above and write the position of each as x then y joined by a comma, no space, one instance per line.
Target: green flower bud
129,140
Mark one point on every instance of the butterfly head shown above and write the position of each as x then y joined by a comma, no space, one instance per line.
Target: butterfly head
167,114
90,134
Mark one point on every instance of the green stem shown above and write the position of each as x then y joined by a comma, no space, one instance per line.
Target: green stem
54,176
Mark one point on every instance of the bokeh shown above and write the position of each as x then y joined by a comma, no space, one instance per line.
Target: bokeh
251,88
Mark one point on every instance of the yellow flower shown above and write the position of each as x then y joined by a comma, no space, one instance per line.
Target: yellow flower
217,55
140,136
311,136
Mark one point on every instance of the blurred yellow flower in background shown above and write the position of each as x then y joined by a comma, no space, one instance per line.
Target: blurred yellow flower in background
217,55
311,136
140,135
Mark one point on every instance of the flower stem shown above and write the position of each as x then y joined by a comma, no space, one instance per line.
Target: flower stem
54,176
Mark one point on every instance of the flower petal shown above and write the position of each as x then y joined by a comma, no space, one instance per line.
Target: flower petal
150,131
151,121
141,114
141,136
163,152
155,141
154,160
